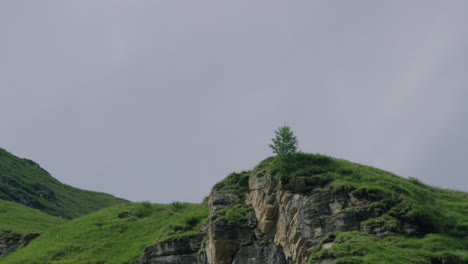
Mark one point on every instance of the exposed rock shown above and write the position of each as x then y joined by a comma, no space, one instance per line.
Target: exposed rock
181,251
297,221
283,226
238,243
260,252
327,245
174,259
125,215
224,239
11,241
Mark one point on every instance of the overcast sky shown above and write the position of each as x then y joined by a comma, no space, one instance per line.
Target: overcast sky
159,100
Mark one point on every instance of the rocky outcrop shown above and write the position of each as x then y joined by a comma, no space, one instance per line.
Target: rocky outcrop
297,221
181,251
238,242
222,242
276,221
231,235
10,241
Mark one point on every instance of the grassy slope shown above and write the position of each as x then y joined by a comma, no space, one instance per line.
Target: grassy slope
23,181
441,213
103,237
22,219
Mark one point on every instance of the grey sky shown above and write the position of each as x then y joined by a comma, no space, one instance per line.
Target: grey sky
159,100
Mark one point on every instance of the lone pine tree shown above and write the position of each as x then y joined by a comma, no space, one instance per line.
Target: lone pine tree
285,142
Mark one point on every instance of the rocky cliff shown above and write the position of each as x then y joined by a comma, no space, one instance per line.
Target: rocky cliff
278,214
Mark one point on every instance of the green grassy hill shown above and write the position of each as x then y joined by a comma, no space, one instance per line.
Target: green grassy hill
20,224
21,219
25,182
117,234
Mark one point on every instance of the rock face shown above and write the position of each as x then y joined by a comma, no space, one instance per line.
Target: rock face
296,221
236,243
241,242
9,242
273,221
180,251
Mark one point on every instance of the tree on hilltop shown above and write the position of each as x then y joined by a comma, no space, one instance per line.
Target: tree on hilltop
284,142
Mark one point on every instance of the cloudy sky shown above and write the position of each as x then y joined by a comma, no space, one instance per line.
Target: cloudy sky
159,100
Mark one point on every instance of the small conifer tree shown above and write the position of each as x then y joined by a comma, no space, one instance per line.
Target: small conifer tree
285,142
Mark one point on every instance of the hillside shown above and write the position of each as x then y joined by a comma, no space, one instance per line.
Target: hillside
25,182
22,219
20,224
300,208
117,234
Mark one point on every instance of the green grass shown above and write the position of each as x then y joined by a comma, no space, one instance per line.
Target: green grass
355,247
236,184
22,219
25,182
234,215
105,237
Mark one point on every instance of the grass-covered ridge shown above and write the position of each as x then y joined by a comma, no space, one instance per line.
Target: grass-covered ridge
25,182
117,234
441,214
